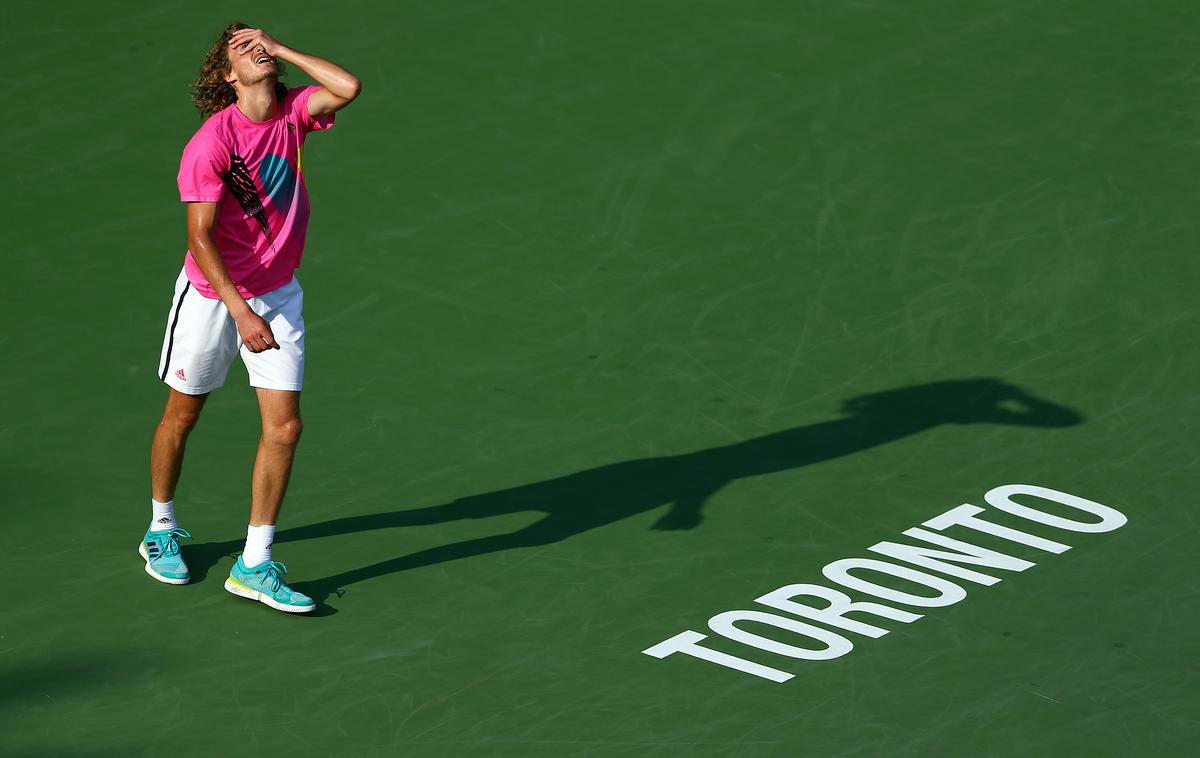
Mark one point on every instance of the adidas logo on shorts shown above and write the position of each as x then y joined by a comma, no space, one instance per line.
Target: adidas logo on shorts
181,375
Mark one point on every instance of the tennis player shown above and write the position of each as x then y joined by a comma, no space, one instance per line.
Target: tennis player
242,178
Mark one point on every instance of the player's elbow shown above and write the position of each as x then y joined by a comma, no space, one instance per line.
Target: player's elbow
353,88
199,239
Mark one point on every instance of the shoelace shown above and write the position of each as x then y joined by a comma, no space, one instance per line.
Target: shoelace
274,574
170,540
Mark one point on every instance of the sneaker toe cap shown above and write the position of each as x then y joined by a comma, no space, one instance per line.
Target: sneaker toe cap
299,598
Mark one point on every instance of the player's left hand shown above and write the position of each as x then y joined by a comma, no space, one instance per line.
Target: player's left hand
245,40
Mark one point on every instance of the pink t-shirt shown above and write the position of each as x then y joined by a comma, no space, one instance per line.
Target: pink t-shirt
255,172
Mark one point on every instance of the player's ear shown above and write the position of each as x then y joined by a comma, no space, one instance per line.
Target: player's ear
229,76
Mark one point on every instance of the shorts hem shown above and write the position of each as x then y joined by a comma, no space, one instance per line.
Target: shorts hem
188,390
285,386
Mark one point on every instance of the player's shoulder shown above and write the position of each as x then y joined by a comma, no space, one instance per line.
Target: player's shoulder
212,134
290,98
295,92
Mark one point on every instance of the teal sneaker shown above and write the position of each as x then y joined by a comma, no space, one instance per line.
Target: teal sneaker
164,562
265,584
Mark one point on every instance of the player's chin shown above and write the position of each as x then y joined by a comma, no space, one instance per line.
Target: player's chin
265,76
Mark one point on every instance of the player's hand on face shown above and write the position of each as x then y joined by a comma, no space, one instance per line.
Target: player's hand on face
245,40
256,333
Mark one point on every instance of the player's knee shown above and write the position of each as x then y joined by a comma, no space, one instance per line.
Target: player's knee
285,432
180,421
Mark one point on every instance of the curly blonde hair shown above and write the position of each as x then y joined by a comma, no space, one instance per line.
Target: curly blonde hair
210,92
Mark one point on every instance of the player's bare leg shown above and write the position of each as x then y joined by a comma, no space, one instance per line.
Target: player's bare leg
254,575
160,545
281,428
170,438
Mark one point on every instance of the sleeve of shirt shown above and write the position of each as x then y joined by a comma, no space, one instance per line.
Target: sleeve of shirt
300,111
204,162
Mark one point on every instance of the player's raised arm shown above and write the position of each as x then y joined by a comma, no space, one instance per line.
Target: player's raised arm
338,86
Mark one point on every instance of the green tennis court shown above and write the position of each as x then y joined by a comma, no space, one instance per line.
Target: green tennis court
622,316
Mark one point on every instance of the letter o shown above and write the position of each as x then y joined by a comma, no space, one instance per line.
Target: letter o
1001,497
949,593
835,644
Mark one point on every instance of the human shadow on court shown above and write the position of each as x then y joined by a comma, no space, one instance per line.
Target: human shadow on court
592,498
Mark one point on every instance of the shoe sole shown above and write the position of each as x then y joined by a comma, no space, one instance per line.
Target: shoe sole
155,574
237,588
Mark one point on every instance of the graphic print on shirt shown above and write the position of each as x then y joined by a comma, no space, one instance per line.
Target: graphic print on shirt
279,181
241,184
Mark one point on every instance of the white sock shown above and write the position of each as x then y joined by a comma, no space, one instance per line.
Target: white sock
164,515
258,544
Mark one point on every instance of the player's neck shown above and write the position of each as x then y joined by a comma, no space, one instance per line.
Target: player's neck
257,102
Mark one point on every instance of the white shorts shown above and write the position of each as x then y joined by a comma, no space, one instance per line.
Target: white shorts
202,339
